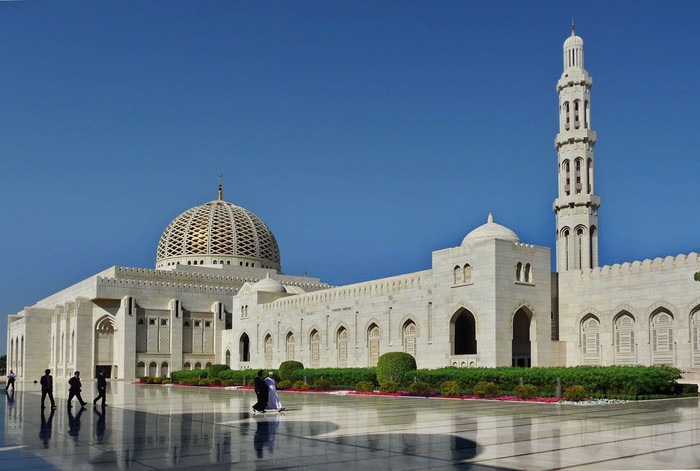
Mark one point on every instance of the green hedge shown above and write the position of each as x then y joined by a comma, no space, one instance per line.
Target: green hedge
623,382
394,366
600,381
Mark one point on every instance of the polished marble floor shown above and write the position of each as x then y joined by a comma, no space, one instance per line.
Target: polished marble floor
158,427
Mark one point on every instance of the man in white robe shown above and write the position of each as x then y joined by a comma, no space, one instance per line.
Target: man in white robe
273,401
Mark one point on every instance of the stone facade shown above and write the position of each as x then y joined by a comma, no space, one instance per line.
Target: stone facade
218,295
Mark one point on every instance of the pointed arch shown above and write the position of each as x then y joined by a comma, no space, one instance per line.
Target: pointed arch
341,340
104,342
695,333
661,331
624,338
409,335
268,345
373,344
589,329
463,330
244,348
521,345
290,345
315,346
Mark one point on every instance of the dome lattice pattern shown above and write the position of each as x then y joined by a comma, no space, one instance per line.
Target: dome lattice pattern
218,228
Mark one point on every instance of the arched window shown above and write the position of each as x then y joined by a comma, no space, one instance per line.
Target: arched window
228,358
567,118
342,341
290,342
458,276
567,178
315,341
187,366
528,273
153,370
463,333
467,273
373,336
624,339
695,335
662,338
140,369
267,346
518,271
164,370
577,105
409,338
590,340
198,366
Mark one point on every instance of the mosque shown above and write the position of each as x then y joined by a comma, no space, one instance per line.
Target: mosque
218,295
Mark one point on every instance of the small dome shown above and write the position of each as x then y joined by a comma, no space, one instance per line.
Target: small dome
270,285
572,41
489,231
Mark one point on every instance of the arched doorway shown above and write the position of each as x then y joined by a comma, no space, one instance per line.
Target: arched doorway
522,355
463,330
244,348
104,346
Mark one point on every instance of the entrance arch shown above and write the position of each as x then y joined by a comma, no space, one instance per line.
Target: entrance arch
463,333
244,347
521,346
104,346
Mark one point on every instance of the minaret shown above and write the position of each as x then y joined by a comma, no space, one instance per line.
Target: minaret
576,206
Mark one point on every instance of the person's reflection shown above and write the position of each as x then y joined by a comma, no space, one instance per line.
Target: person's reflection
45,430
74,422
10,397
265,434
100,427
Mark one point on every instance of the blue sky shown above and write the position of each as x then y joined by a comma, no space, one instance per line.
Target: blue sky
366,134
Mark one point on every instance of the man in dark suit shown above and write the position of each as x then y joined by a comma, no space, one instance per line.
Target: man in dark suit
47,389
261,392
74,389
101,389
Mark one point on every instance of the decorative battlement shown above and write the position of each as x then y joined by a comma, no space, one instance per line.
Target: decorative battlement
656,265
350,292
145,284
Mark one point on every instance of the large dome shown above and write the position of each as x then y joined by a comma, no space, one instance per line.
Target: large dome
215,234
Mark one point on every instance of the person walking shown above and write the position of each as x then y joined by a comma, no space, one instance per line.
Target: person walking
261,391
10,380
47,389
74,390
273,401
101,389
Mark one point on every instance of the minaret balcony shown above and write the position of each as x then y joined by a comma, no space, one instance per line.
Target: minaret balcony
576,200
574,135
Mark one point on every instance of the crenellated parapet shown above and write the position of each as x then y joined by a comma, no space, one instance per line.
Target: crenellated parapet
385,286
645,266
164,285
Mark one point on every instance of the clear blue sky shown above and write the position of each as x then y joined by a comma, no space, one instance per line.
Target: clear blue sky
366,134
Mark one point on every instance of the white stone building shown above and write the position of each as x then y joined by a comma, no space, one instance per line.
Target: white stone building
218,295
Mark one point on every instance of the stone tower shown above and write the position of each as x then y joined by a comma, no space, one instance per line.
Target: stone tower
576,206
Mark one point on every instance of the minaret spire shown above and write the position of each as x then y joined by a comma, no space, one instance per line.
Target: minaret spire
576,206
221,190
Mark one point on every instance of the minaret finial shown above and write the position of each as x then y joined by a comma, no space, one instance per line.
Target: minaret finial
221,190
573,27
490,218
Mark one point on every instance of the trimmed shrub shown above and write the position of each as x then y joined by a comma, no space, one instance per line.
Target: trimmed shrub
420,388
215,382
340,378
322,384
389,387
143,379
364,386
301,385
486,389
203,382
450,388
167,381
394,366
284,384
227,382
287,369
575,393
526,391
214,370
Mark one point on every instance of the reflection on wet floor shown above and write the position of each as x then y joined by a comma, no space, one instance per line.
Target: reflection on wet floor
158,427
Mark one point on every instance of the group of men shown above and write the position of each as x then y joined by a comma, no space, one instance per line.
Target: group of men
266,392
74,388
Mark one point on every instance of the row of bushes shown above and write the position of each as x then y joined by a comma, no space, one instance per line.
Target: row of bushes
397,371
